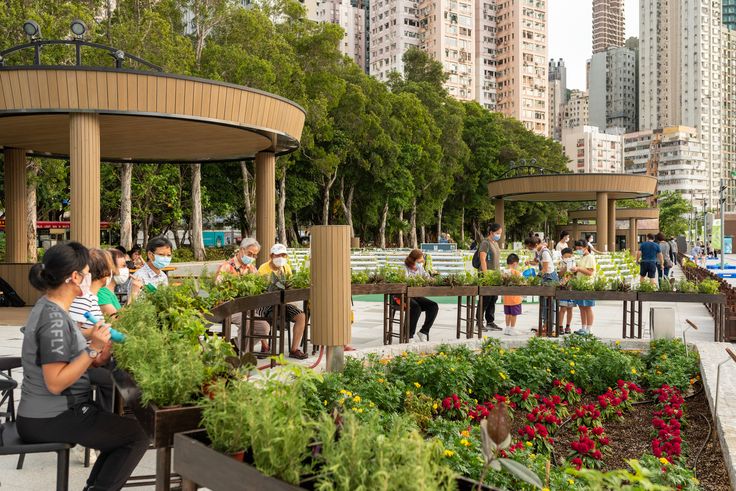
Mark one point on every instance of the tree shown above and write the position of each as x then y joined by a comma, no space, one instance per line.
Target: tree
673,211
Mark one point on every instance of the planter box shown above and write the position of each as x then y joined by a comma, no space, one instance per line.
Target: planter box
296,295
681,297
196,461
379,288
244,304
531,291
160,423
441,291
596,295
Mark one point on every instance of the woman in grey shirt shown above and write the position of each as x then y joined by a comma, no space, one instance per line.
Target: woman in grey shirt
56,403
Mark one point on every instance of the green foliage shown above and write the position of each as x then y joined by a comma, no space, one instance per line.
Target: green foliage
581,284
232,286
647,287
667,363
648,473
215,351
709,286
686,286
388,274
673,211
300,279
359,277
665,285
490,278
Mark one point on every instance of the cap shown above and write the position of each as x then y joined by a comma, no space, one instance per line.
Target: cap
278,249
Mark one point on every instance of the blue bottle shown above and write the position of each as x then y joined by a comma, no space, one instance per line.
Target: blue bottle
115,335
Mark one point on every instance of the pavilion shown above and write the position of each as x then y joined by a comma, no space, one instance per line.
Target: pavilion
604,189
113,114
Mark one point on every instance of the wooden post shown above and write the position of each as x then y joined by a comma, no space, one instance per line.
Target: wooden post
601,221
330,266
499,220
633,236
265,203
84,159
16,220
611,225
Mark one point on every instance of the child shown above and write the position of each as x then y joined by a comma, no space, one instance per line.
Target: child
567,266
512,304
585,268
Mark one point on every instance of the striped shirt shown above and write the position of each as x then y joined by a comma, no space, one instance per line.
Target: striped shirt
87,303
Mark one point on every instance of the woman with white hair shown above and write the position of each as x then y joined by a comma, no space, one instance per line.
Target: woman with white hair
242,263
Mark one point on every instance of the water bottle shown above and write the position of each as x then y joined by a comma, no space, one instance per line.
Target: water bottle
150,288
115,335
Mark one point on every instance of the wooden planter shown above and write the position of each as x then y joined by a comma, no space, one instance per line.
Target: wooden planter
526,291
201,466
288,296
296,295
247,307
630,311
390,309
681,297
378,289
465,325
441,291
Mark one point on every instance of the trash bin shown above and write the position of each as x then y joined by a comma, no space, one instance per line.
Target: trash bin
662,322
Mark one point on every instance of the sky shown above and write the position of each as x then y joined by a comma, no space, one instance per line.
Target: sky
571,34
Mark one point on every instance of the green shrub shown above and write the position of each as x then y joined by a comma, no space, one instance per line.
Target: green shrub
647,287
490,278
668,364
709,286
685,286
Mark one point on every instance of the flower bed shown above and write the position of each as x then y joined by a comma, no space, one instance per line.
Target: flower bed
543,415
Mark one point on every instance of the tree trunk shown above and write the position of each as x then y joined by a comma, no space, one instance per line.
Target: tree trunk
197,232
326,199
282,208
401,228
413,225
422,235
31,209
177,239
248,199
477,236
347,205
126,227
382,229
462,226
439,221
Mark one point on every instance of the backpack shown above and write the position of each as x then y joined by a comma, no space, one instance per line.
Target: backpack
476,256
11,298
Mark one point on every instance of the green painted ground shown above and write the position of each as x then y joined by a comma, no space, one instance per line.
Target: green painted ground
379,298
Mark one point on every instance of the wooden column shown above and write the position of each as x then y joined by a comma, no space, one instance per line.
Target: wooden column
16,219
330,296
633,236
574,232
84,159
499,220
601,221
611,225
266,203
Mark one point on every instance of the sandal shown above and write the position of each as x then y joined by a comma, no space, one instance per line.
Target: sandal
298,354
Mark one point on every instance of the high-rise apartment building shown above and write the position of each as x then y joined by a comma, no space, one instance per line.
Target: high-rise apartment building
614,89
576,110
485,53
680,82
608,24
351,17
394,28
446,33
557,76
674,155
728,43
729,13
592,150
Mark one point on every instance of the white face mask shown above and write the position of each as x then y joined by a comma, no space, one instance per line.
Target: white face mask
122,277
279,262
85,285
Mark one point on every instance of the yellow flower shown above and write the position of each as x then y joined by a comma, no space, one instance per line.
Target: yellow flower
465,433
528,444
360,410
470,391
618,343
503,375
572,363
442,353
501,352
572,372
545,489
549,371
570,481
663,461
464,442
380,380
370,404
435,406
449,453
343,391
452,369
692,381
664,356
324,402
408,392
341,401
417,384
355,409
659,372
633,371
356,399
532,456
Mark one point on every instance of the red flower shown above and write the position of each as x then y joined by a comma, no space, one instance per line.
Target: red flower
598,430
597,455
577,462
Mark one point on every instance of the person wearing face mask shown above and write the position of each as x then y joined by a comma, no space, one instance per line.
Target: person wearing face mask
158,251
489,254
585,268
563,243
414,264
278,264
567,269
56,403
543,259
120,274
242,263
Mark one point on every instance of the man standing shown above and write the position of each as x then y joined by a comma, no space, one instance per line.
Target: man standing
649,256
489,254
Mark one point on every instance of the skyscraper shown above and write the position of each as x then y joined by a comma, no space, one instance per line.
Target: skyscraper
729,13
557,97
680,81
351,17
394,28
613,89
608,24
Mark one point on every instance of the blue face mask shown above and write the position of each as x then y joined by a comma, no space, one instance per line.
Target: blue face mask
496,237
246,260
579,252
160,262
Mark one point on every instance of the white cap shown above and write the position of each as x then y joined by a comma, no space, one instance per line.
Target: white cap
278,249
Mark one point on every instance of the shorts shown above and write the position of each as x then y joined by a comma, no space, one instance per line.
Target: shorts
291,312
585,303
512,309
648,269
566,304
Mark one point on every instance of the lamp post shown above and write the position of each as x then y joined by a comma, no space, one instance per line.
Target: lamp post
722,201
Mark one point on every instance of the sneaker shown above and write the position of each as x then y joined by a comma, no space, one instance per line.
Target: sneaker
567,331
423,338
582,332
298,354
494,327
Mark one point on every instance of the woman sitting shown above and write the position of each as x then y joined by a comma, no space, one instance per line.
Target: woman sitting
56,403
414,263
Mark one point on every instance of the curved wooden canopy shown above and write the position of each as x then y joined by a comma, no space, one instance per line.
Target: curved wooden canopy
621,214
144,116
572,187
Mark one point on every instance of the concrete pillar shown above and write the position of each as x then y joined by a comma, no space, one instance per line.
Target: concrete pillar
601,221
15,206
574,231
633,236
611,225
499,220
84,159
265,203
330,295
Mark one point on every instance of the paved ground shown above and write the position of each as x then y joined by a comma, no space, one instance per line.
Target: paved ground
39,470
